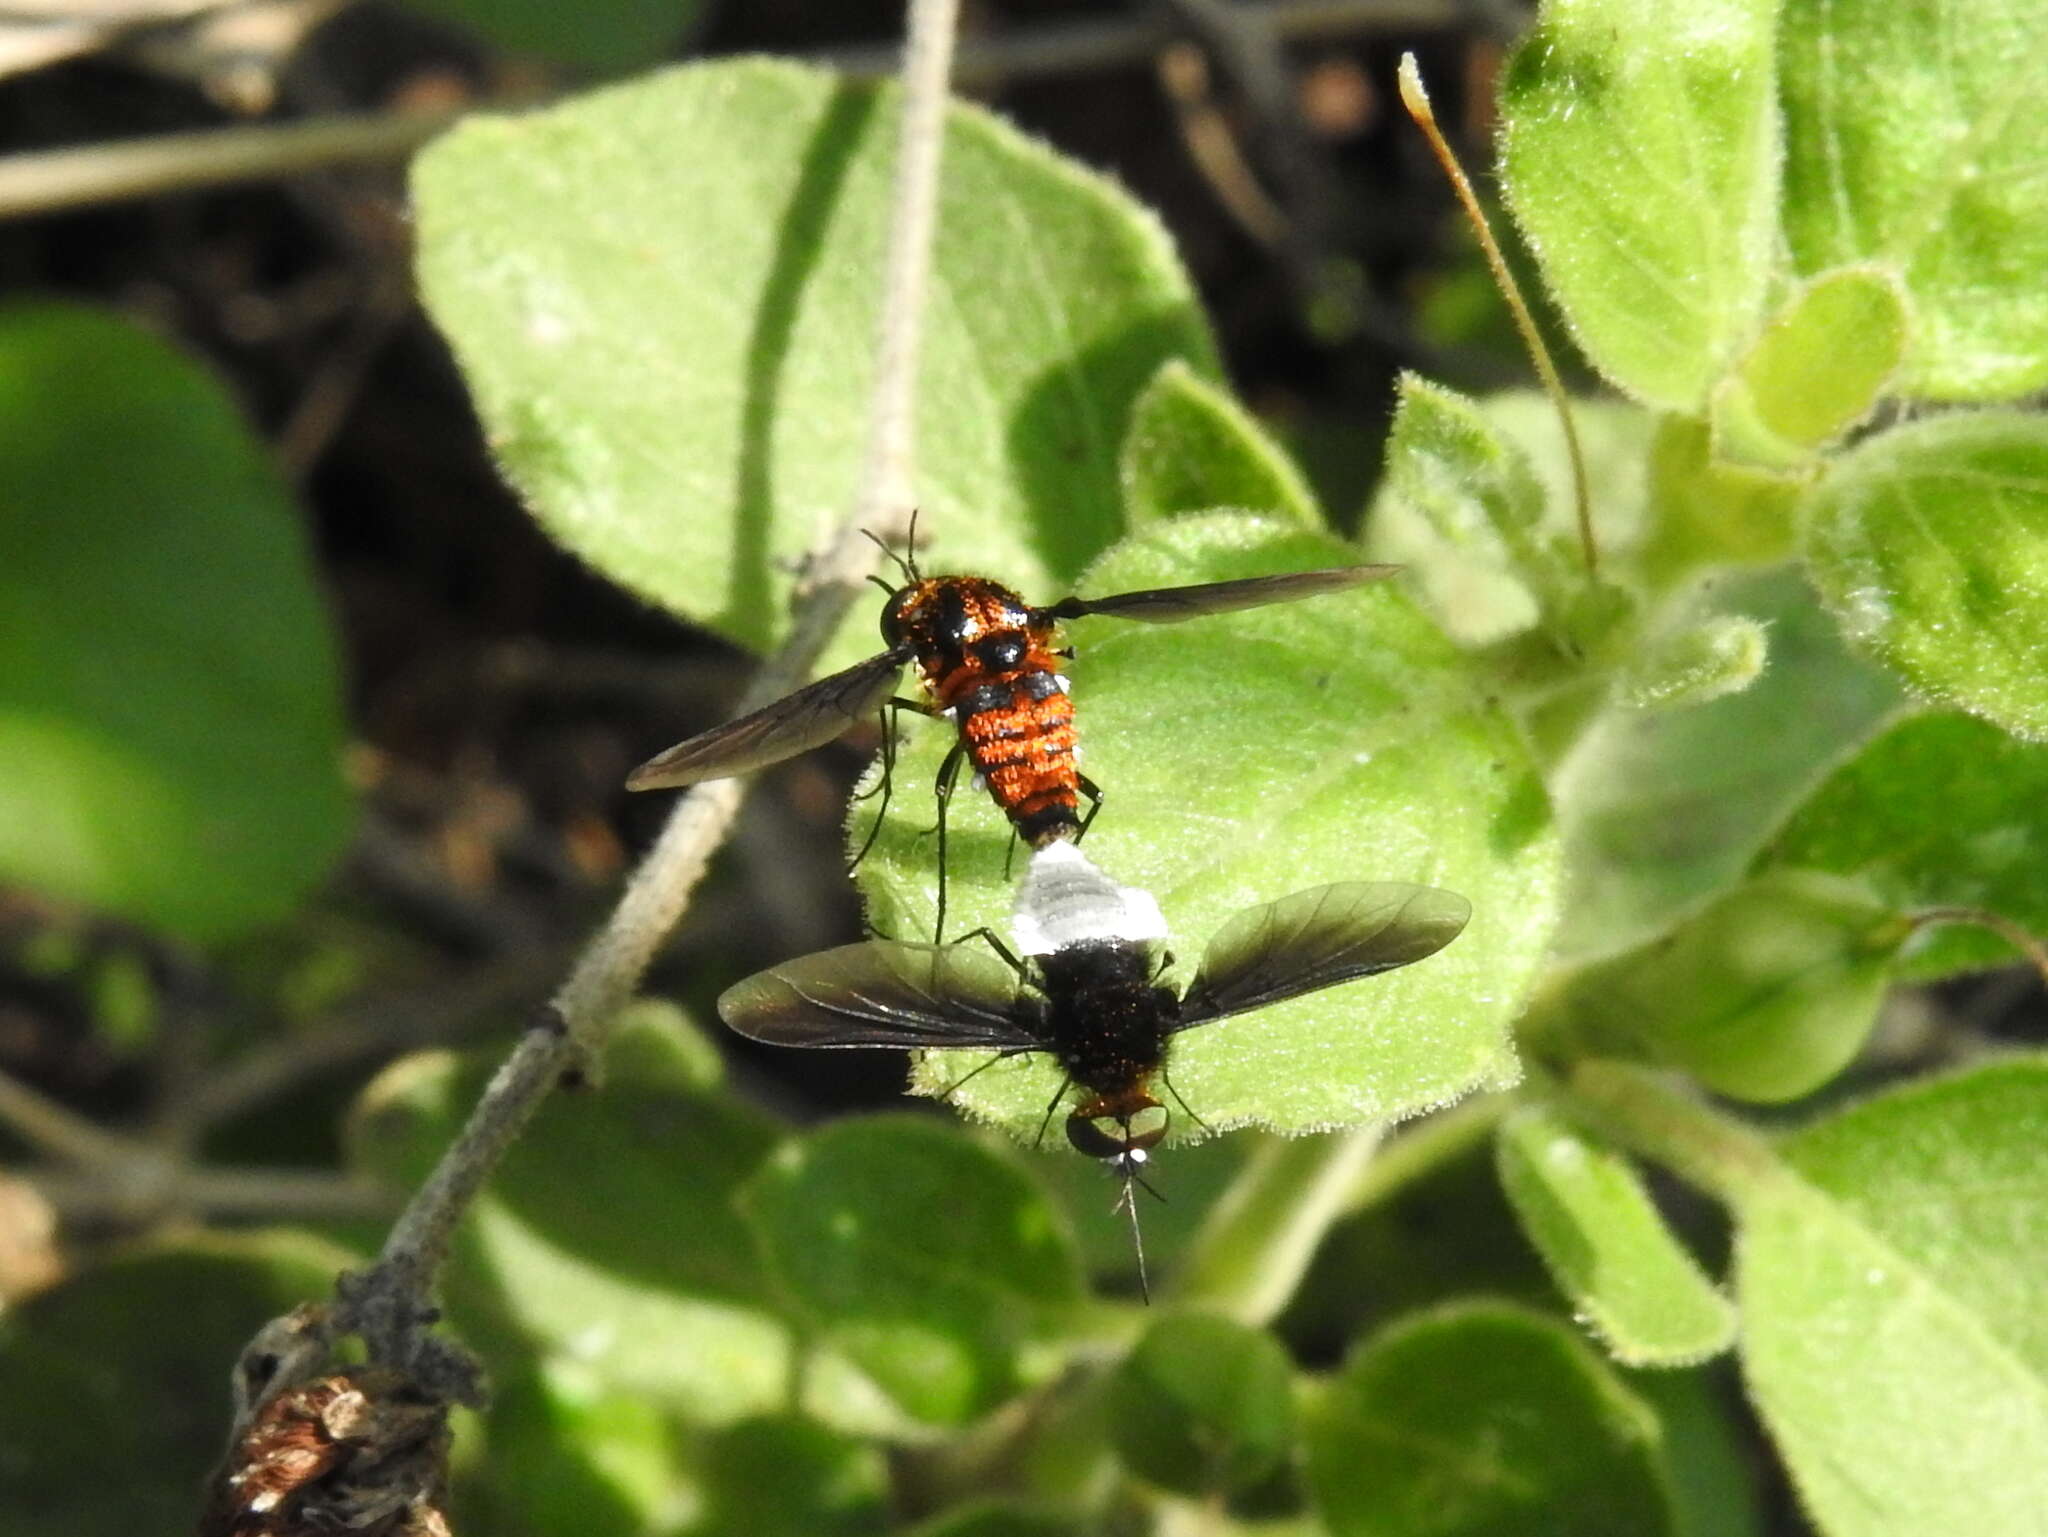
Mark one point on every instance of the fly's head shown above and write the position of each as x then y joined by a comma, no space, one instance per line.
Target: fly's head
1121,1133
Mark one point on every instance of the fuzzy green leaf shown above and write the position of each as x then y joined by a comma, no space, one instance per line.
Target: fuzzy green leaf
1893,1334
1586,1210
1764,994
1930,545
1815,372
1474,489
1707,511
1483,1420
1942,810
663,297
1203,1406
1696,664
1913,138
1477,500
611,1232
1640,150
1662,809
1191,447
114,1384
170,714
1245,757
934,1311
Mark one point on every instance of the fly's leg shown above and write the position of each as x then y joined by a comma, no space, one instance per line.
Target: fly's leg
942,791
1185,1108
1003,952
1010,849
1093,791
891,709
1066,1082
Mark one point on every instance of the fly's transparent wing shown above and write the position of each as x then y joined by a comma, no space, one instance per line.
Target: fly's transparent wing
1170,605
1318,938
882,993
811,717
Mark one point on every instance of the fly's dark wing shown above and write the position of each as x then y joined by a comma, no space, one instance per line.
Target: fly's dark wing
1318,938
886,994
795,723
1170,605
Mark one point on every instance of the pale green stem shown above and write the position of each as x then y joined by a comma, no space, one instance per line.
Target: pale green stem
1257,1241
1651,1115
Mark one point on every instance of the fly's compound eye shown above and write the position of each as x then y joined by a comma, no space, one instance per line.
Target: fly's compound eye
894,623
1000,653
1105,1136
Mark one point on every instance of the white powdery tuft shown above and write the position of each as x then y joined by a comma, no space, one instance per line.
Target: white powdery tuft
1065,900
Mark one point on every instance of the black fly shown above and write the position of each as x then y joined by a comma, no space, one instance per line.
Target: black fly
1088,992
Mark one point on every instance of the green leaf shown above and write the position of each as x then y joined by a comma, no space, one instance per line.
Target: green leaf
1706,511
1191,447
786,1477
570,1453
169,708
1203,1406
1247,756
1930,545
604,36
114,1385
1696,664
1764,994
1471,486
1483,1420
663,297
611,1234
1913,140
1586,1210
1940,810
1815,372
1890,1277
1640,151
1477,500
934,1311
1661,810
1709,1451
994,1520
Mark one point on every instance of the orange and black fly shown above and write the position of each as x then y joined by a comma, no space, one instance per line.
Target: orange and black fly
990,663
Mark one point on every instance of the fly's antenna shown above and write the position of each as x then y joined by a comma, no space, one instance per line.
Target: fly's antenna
1416,99
910,548
907,567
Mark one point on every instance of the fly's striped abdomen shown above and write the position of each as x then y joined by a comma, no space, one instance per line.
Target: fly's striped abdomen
1019,734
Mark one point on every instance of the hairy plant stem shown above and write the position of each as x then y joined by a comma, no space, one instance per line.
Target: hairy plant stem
1651,1115
1256,1243
389,1304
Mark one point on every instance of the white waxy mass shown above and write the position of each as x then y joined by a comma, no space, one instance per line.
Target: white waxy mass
1065,899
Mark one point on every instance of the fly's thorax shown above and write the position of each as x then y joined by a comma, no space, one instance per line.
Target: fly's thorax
1065,900
965,630
1106,1019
